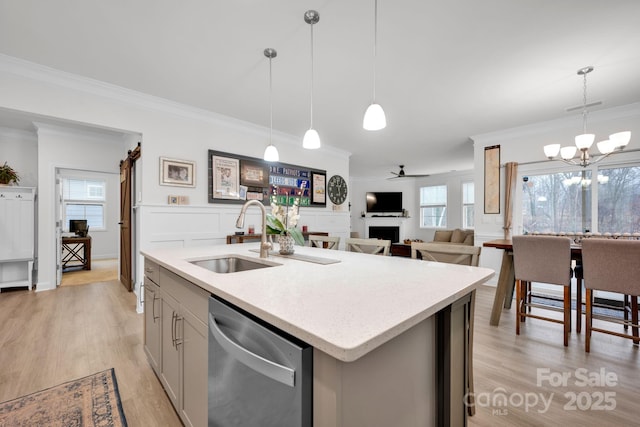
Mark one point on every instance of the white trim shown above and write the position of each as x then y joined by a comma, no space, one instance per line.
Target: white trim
52,76
629,110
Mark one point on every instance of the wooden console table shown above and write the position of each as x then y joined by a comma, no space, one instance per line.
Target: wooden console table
242,238
76,252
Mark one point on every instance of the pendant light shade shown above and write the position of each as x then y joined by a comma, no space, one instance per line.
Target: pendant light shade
311,138
271,152
374,118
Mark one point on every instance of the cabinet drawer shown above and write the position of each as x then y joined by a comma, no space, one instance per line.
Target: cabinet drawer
152,271
192,297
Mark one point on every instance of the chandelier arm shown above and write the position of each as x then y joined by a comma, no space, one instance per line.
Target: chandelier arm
569,162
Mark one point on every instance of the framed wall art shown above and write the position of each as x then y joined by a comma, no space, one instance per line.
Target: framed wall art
319,189
254,174
492,179
234,179
178,173
226,178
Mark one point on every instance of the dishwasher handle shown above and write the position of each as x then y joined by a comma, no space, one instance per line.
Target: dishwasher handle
258,363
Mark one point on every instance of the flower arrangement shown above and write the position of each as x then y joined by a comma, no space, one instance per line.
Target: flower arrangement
283,220
8,175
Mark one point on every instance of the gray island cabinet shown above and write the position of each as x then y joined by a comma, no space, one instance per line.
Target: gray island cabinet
390,335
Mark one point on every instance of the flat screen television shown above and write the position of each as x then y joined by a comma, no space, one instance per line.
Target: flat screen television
78,226
384,202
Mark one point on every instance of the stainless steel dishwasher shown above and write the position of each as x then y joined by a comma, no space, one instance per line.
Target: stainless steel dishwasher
258,376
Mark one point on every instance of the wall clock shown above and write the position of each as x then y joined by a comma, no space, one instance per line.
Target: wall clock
337,190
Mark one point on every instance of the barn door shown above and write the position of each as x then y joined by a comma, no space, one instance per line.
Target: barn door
125,218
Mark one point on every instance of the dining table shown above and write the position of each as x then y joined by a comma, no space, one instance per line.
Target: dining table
506,279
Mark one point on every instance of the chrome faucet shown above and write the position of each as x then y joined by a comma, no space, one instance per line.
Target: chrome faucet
264,245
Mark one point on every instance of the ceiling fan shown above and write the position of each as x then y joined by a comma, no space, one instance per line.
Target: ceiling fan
402,174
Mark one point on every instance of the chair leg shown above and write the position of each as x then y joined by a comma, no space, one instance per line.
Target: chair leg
634,319
578,305
587,321
625,310
528,294
567,314
518,304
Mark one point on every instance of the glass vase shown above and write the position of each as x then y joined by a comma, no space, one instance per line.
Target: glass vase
286,243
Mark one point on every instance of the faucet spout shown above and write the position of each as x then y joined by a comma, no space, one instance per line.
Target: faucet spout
264,245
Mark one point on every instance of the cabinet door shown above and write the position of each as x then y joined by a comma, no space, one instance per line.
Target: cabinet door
152,323
195,371
170,358
17,225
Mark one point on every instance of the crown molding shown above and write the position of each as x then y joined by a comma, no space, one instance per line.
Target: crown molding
91,86
623,111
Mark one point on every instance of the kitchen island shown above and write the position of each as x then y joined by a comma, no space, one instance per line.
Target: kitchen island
388,346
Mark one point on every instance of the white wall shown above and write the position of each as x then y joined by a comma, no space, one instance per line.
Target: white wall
410,188
524,145
19,148
168,130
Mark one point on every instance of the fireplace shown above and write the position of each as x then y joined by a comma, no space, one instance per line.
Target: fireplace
385,233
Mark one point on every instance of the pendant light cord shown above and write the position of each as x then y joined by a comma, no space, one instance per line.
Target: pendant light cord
375,45
270,104
584,103
311,103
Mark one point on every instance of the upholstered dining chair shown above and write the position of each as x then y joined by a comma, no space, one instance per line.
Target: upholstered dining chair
449,253
368,246
542,259
455,254
612,266
327,242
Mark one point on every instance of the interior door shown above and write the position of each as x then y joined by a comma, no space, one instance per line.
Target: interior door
125,223
58,226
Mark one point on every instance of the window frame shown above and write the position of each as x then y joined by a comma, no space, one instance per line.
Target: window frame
88,201
466,205
445,212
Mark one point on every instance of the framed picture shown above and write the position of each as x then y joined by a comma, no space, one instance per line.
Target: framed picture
318,188
178,173
254,174
226,178
492,179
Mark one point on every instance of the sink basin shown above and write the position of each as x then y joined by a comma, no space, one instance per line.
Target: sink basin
232,264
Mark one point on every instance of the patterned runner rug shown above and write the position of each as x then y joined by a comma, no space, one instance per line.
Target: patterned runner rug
88,401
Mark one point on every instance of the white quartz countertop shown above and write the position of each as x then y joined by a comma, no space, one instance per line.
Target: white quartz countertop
344,309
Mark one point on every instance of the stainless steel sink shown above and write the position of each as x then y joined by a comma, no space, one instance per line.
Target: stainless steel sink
232,264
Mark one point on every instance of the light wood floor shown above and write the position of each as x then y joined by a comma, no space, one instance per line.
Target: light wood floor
47,338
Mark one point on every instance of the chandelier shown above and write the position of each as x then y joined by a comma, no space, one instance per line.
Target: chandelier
616,142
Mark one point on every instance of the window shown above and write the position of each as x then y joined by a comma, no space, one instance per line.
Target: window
558,202
84,199
619,200
467,204
433,206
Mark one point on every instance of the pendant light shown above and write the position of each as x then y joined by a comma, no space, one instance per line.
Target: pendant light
271,152
311,138
374,118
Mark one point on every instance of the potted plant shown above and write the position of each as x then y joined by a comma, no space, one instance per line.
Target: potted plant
8,175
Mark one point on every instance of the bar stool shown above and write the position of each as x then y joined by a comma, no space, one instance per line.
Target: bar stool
542,259
611,265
